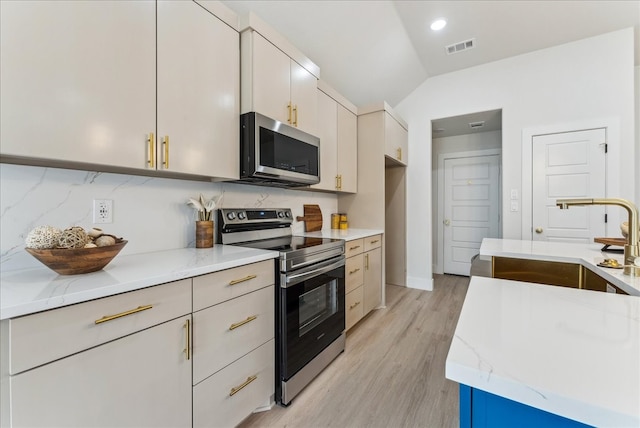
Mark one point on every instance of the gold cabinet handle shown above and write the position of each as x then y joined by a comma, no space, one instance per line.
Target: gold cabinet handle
289,107
374,241
354,248
339,181
187,350
123,314
354,271
243,322
295,115
152,151
354,305
366,263
399,153
238,388
337,185
246,278
165,143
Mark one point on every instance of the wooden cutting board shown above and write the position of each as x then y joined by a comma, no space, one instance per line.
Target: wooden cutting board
611,241
312,218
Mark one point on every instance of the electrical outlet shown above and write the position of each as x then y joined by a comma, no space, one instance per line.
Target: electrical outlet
102,211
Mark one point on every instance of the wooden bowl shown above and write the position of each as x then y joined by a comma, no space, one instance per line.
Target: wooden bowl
79,260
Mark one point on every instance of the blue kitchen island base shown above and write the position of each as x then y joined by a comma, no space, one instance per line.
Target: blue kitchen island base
480,409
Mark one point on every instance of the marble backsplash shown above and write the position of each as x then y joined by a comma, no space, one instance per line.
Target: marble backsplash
151,213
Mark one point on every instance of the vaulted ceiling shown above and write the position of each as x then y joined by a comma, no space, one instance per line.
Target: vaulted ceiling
374,50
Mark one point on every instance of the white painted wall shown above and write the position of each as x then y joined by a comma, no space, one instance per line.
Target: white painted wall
151,213
588,79
454,144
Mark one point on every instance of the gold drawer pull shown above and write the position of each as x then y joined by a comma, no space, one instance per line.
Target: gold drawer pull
152,152
165,143
246,278
351,272
354,248
187,350
373,242
354,305
243,322
123,314
238,388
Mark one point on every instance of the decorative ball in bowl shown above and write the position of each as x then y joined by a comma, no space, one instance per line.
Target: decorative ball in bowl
74,261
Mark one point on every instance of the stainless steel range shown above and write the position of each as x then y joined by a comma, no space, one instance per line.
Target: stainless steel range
310,292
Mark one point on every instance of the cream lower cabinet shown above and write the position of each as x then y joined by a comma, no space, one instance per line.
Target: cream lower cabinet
119,361
363,278
233,344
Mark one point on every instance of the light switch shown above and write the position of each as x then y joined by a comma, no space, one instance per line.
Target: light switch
514,194
514,206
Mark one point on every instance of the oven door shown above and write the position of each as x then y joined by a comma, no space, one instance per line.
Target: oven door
312,313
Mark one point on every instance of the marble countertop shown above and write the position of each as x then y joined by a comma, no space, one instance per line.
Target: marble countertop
33,290
346,234
588,255
558,349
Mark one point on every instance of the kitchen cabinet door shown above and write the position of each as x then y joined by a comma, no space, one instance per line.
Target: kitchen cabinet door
275,85
327,132
347,150
304,98
396,139
268,70
372,279
78,81
143,379
198,92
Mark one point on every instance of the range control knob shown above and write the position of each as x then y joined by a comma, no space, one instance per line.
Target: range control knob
231,215
288,214
242,215
280,214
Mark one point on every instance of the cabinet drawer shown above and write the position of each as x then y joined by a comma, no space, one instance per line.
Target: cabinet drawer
354,272
351,248
354,307
46,336
372,242
225,332
213,404
211,289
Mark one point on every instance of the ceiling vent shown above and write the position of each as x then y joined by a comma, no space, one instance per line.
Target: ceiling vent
461,46
476,125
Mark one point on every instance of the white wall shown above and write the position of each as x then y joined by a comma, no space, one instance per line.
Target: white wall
454,144
151,213
580,81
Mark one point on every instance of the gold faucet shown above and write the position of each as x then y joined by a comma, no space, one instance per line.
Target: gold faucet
632,247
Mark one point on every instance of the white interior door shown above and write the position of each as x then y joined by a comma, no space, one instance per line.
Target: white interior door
471,208
568,165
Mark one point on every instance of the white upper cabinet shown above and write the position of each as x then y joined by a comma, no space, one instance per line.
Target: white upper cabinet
338,132
396,139
198,92
276,79
78,81
79,86
347,150
328,133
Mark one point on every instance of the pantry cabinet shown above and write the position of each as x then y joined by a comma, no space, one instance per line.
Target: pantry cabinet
275,84
117,361
337,129
82,83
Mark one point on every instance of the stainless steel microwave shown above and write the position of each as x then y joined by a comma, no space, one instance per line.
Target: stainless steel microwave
276,154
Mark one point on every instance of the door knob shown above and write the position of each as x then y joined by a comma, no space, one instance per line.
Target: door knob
447,222
539,230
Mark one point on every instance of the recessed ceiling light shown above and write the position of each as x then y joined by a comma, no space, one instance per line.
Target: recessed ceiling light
438,24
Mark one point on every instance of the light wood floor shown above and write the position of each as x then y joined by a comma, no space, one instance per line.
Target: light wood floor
392,371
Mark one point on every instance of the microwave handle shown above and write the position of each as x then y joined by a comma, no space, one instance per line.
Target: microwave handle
321,268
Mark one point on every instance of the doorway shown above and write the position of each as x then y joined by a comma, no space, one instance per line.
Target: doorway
466,171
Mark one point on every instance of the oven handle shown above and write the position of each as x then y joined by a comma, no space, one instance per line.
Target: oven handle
315,270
